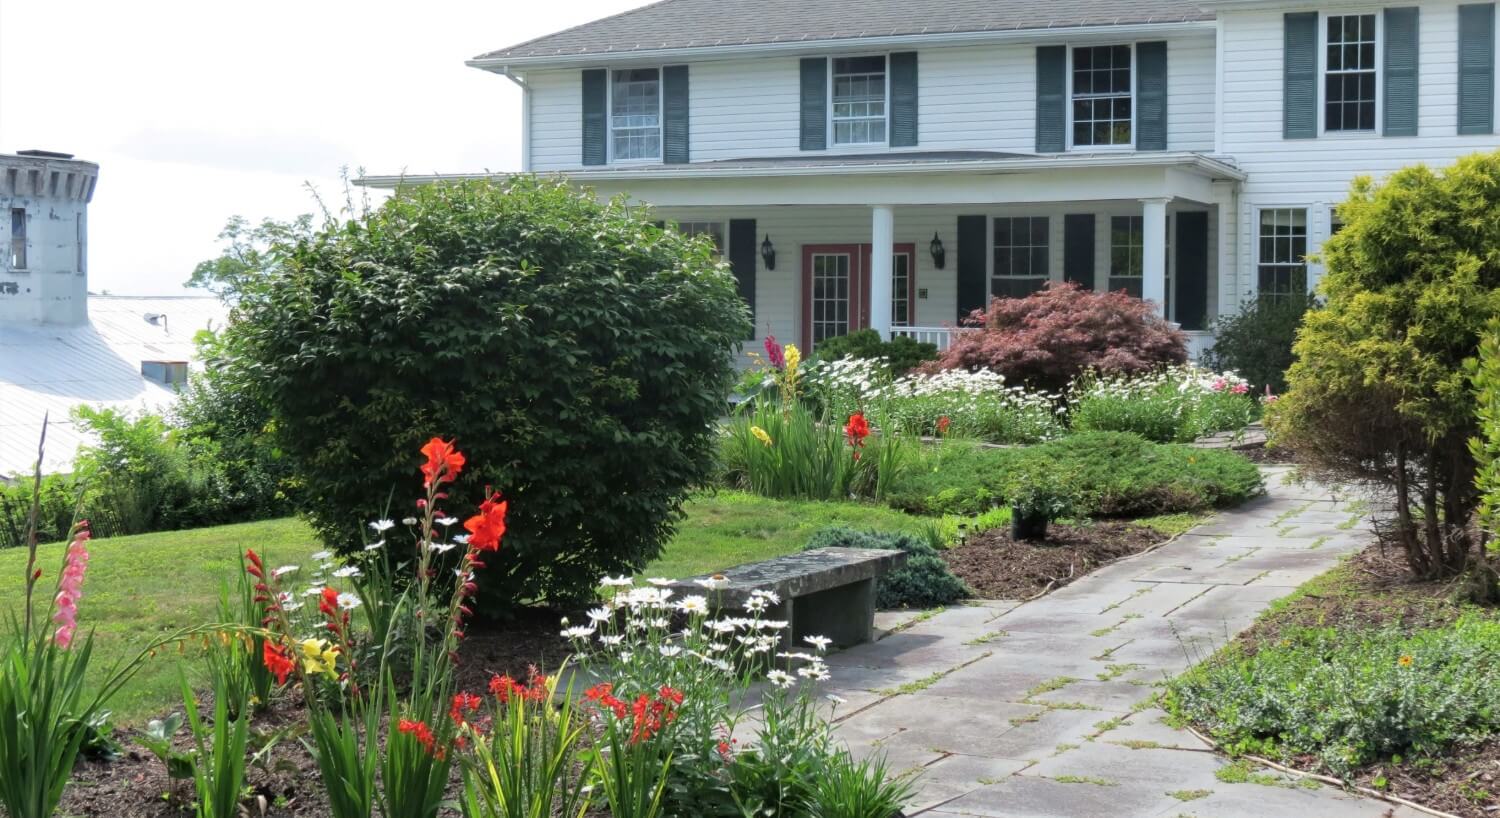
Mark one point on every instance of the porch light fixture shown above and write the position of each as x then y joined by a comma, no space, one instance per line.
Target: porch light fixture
768,253
939,255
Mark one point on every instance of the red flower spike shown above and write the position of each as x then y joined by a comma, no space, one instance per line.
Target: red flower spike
487,528
444,462
278,660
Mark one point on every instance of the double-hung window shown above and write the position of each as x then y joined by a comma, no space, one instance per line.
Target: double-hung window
1350,73
1020,256
635,114
1103,108
714,230
1282,266
859,101
1127,254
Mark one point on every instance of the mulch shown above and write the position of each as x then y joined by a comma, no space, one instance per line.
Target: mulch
287,783
998,567
1269,455
1380,592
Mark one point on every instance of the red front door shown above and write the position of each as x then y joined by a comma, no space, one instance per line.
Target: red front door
836,287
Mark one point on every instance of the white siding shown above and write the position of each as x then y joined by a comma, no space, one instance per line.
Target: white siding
969,98
1315,173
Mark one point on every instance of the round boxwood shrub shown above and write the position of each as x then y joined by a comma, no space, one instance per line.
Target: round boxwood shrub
923,582
576,353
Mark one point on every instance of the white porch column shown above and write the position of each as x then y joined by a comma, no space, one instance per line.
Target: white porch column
882,248
1154,252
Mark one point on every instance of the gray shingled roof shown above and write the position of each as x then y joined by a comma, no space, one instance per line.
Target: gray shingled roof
671,24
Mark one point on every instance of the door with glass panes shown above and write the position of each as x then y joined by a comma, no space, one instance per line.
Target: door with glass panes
836,290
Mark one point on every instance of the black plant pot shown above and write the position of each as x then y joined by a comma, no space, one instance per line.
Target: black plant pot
1028,527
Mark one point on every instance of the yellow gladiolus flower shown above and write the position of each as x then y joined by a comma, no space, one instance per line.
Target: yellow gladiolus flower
319,657
760,434
793,357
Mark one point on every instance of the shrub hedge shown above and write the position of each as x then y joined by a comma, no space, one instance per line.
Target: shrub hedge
1115,473
923,582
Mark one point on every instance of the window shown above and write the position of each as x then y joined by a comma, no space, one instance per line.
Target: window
1283,250
171,373
82,242
859,101
1335,222
1349,74
901,290
635,114
1101,95
18,238
1020,256
1127,249
830,296
714,230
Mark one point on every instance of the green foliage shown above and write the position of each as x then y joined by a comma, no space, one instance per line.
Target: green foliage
859,789
1351,697
899,355
219,747
1256,342
1178,404
1114,474
1040,489
578,354
1485,445
923,582
157,738
250,254
530,765
790,453
1380,388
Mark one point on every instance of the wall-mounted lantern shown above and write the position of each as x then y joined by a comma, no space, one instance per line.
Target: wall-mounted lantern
768,253
939,255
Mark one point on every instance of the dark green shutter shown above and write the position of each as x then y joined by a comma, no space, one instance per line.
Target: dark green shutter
973,245
1476,68
1151,96
1299,85
904,99
674,126
595,134
1401,62
742,254
1191,269
1051,98
1078,249
814,103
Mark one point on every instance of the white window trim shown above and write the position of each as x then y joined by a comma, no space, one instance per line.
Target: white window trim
1308,212
661,116
1323,73
854,147
1134,108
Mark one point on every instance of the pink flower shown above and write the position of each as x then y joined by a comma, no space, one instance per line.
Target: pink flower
1239,388
70,586
1219,384
774,353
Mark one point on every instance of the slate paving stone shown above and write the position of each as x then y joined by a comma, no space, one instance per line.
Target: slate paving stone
1115,696
908,649
1260,801
955,775
941,723
1022,796
1184,769
1038,739
1148,727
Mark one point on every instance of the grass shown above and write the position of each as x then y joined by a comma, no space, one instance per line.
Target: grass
1190,795
143,586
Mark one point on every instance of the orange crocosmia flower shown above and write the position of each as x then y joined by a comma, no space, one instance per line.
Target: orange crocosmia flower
443,462
487,528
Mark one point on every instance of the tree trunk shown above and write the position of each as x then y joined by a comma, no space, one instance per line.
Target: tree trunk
1405,526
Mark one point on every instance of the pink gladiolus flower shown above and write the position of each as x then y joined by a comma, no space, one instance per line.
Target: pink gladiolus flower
774,353
1239,388
70,586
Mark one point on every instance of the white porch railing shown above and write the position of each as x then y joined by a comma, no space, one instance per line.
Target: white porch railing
941,336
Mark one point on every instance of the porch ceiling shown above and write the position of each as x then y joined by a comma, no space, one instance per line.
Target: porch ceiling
930,177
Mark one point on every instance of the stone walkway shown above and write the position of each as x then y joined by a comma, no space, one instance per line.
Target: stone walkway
1044,708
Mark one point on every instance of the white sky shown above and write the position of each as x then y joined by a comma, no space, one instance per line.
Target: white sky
199,110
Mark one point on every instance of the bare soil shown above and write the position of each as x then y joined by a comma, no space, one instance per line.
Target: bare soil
998,567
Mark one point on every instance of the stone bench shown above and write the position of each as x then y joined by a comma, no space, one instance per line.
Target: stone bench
824,592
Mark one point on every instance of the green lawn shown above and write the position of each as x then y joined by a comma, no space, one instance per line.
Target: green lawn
147,585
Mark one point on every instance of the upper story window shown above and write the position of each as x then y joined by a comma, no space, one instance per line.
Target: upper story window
1102,103
1350,73
18,238
635,114
859,97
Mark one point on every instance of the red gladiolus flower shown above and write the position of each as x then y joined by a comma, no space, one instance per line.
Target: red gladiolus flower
487,528
255,568
278,660
443,462
856,430
942,425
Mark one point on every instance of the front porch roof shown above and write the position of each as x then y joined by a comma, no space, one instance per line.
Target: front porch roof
912,177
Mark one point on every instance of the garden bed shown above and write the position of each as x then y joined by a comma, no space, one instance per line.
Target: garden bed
1373,592
998,567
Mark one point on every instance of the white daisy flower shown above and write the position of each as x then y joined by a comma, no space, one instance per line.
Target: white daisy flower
715,582
611,641
819,642
670,650
347,571
441,547
382,526
798,655
320,556
408,520
755,604
375,546
775,624
578,632
600,615
349,601
693,605
291,605
660,582
836,699
616,582
446,521
770,597
283,571
461,539
780,678
313,590
720,626
626,656
817,673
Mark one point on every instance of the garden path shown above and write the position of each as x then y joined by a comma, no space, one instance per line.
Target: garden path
1044,708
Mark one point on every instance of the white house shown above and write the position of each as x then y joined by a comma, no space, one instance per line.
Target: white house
925,156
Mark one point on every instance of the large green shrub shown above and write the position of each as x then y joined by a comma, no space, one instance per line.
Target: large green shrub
1256,342
577,353
901,354
1113,473
1380,389
1351,697
924,581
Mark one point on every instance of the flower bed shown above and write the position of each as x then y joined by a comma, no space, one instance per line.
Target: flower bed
1177,404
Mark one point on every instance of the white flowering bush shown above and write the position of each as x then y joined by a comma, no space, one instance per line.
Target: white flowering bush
955,402
643,640
1180,403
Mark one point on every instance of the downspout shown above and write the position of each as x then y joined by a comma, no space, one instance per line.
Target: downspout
504,71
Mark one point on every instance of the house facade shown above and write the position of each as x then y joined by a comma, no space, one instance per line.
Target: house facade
894,165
